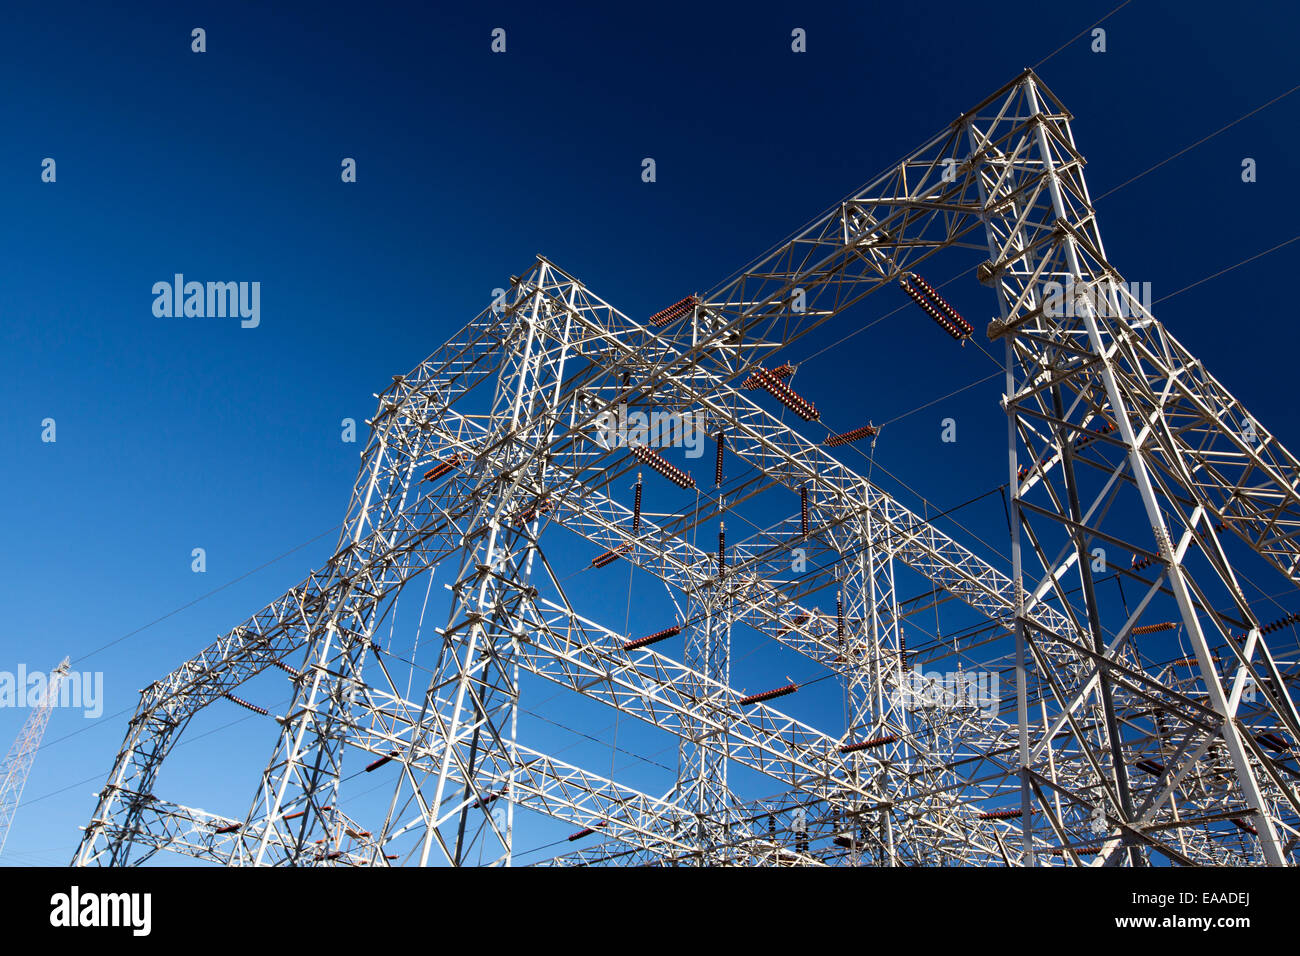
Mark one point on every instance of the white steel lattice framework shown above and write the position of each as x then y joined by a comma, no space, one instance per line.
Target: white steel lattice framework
17,765
1111,752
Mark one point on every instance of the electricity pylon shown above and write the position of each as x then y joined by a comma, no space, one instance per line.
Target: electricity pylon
18,762
1115,749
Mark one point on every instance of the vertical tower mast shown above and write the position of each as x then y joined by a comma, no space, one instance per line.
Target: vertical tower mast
18,762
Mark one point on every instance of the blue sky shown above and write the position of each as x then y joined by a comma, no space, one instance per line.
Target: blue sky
182,433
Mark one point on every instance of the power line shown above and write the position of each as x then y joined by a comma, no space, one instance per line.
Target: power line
1081,33
203,597
1203,139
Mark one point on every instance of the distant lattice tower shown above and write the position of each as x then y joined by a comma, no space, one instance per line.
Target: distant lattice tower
18,762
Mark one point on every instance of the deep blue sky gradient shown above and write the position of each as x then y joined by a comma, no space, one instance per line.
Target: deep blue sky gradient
183,433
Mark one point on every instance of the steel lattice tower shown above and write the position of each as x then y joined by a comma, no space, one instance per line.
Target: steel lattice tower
18,762
1118,438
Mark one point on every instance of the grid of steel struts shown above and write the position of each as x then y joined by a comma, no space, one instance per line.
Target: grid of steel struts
1108,750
